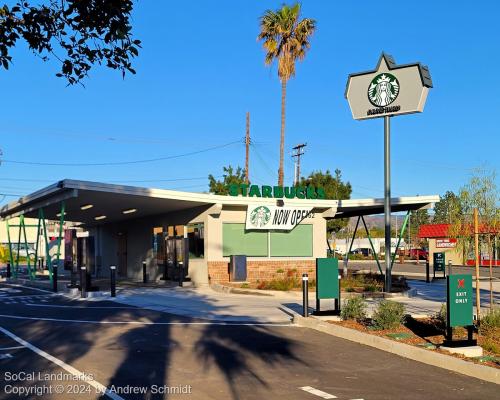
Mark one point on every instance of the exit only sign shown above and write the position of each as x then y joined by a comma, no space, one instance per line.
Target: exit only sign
460,300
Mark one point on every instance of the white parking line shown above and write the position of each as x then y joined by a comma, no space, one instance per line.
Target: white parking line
84,307
29,287
317,392
222,323
80,375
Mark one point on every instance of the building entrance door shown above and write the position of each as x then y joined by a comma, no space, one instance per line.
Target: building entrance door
122,254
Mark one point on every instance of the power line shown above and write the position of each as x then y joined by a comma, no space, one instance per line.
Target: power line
110,180
122,162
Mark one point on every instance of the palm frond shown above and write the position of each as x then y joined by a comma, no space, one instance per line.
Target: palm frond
285,37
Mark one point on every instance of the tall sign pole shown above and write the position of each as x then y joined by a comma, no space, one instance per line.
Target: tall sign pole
387,91
387,201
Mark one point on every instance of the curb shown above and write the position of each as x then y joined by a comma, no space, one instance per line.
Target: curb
450,363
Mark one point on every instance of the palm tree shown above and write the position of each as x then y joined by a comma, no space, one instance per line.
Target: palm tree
286,39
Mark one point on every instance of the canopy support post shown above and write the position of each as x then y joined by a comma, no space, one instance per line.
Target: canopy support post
11,257
61,223
400,236
371,244
350,247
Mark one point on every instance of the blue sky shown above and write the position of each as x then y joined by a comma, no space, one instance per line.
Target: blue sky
201,69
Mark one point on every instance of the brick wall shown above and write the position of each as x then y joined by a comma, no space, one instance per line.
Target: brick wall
262,270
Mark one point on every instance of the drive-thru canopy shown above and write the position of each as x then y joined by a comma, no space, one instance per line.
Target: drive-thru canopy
128,225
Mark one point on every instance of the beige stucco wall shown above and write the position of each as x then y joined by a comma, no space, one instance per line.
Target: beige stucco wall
453,254
139,244
238,215
139,240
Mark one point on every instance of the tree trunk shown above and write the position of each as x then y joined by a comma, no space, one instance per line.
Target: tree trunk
281,174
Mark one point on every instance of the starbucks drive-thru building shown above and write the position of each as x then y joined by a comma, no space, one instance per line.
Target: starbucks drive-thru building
276,228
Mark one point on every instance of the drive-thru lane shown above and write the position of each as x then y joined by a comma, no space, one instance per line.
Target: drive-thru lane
128,349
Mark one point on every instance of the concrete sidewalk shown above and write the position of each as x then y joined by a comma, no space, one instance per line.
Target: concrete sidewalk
209,304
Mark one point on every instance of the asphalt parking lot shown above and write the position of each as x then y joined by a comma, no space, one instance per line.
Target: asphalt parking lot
52,347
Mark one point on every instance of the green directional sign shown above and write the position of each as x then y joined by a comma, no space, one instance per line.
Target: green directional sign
327,278
459,300
439,262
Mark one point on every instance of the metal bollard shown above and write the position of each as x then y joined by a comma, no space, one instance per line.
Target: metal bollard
83,282
427,272
181,274
54,278
73,277
9,273
449,267
144,273
305,295
113,280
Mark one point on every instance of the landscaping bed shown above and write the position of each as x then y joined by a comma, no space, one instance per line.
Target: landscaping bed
427,333
290,279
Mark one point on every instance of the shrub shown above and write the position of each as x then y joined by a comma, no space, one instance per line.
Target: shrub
389,315
245,286
490,345
490,323
440,316
284,284
280,271
370,287
354,308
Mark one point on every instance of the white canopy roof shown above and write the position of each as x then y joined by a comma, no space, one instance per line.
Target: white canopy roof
111,200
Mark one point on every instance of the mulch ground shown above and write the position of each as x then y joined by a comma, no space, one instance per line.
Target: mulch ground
425,331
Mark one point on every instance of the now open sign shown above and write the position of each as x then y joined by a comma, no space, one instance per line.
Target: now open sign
460,301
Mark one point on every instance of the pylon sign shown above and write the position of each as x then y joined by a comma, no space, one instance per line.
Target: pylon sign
388,90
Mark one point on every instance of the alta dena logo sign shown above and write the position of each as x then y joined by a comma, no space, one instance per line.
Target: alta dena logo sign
389,89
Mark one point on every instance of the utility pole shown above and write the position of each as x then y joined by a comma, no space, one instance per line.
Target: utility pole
247,147
298,152
476,250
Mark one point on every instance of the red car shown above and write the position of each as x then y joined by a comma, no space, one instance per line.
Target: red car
422,254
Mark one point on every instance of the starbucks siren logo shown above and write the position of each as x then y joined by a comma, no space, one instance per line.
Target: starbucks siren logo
383,90
260,216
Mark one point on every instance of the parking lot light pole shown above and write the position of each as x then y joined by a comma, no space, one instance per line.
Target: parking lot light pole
83,282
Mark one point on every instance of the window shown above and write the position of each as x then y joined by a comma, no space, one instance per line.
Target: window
235,240
295,243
